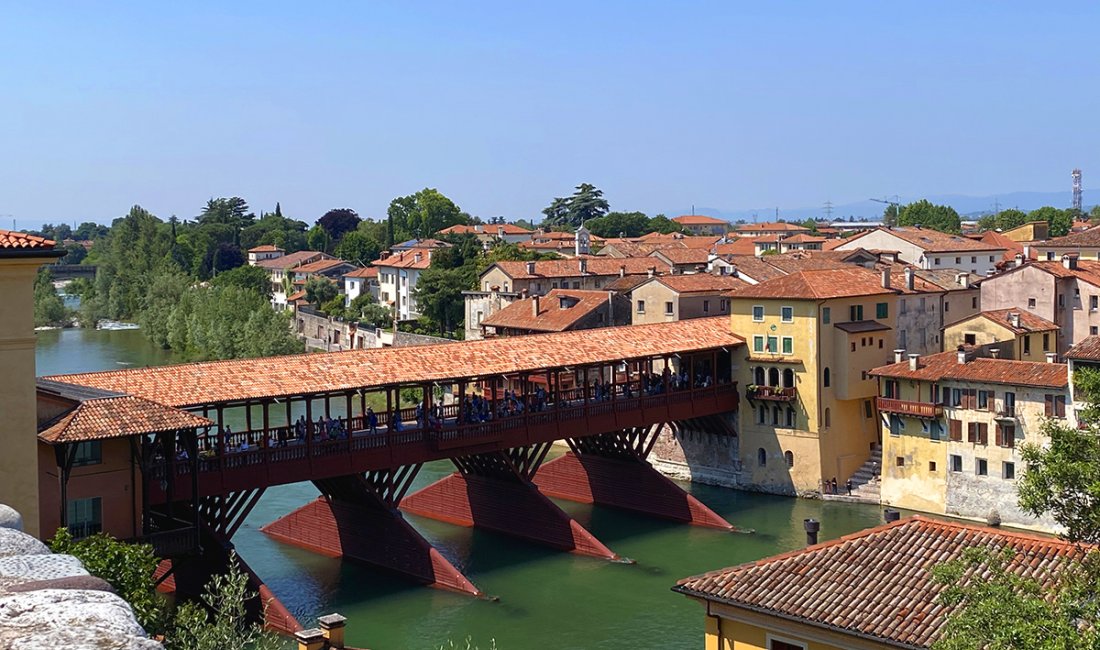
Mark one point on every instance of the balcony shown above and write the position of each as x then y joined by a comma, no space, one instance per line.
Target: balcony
928,410
1005,413
771,393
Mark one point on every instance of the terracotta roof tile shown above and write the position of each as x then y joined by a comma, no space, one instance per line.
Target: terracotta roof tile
9,239
571,268
739,246
683,255
117,417
699,220
767,227
876,583
945,366
293,260
265,248
320,266
701,283
1087,350
368,272
485,229
410,259
1029,322
930,240
552,315
1085,238
226,381
818,285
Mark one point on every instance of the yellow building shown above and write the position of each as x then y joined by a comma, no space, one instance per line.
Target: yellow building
20,257
1016,333
952,427
812,336
870,590
1029,232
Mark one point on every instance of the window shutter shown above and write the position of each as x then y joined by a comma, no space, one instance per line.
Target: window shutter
1048,406
955,430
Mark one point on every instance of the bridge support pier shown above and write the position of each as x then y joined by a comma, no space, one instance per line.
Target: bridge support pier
494,491
611,469
356,517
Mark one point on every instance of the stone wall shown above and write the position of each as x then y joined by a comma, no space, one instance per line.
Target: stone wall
321,332
50,601
692,453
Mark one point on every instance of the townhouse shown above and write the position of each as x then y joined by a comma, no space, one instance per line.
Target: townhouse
398,274
698,224
561,310
930,249
679,297
1084,244
489,233
359,282
265,252
1017,334
770,229
281,270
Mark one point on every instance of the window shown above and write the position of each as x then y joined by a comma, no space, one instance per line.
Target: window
955,429
1062,300
1008,471
85,516
790,418
775,416
763,419
758,344
880,343
641,306
826,315
955,462
882,310
981,467
937,261
936,431
758,313
576,285
706,307
1031,303
1006,435
853,346
983,400
788,378
773,344
891,389
1093,303
970,338
776,644
761,457
88,453
974,302
1046,342
788,345
1027,344
786,314
901,307
931,466
868,409
789,457
826,378
900,461
973,259
990,258
828,420
958,260
855,312
668,308
1055,406
977,433
1093,330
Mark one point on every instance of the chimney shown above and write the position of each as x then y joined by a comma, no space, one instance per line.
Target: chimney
530,268
417,257
1052,357
1027,251
812,527
500,232
994,353
890,515
622,270
332,627
650,271
886,278
535,306
1014,319
909,278
1069,261
311,639
611,308
963,279
899,355
1019,259
914,361
583,265
961,355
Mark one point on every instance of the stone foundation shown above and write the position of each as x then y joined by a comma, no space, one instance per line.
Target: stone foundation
690,453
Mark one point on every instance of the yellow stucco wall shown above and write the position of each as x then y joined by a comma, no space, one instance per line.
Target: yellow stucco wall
820,451
18,419
987,332
730,628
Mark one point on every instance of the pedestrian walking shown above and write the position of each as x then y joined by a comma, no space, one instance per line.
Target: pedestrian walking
848,484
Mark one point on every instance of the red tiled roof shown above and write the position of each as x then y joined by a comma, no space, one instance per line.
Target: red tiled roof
1086,238
368,272
552,316
768,227
9,239
699,220
755,267
1086,271
700,283
293,260
296,296
485,229
227,381
739,246
945,366
683,255
1029,322
265,248
876,583
117,417
409,259
320,266
811,260
1087,350
818,285
997,240
803,238
571,268
930,240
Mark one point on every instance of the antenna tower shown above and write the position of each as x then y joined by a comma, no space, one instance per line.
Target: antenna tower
1076,189
829,211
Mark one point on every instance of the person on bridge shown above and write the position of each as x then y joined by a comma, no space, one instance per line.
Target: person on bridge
395,420
372,421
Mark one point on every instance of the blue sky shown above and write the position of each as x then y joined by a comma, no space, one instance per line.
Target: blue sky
503,106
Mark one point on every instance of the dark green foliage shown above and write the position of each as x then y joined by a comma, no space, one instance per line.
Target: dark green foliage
49,310
89,230
275,229
320,290
1060,221
423,214
619,224
137,247
366,310
318,239
928,215
252,278
585,204
664,225
128,568
74,254
339,222
358,247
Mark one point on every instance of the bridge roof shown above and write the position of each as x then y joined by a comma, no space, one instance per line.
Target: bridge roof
222,382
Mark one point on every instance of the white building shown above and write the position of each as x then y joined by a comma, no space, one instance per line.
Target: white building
264,252
282,270
360,281
398,274
486,234
930,249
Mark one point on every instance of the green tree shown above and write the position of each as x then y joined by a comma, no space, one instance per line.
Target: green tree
811,225
1059,221
557,213
586,203
338,222
365,309
423,214
128,568
277,230
221,620
251,278
318,239
320,290
1094,214
928,215
664,225
619,224
49,310
358,247
232,212
90,231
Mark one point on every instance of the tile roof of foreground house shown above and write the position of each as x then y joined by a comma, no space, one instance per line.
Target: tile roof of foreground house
699,220
320,266
683,255
408,259
1086,238
1087,350
1029,322
269,377
485,229
293,260
1086,270
945,366
367,272
572,268
818,285
557,311
876,583
118,417
11,240
932,241
739,246
700,283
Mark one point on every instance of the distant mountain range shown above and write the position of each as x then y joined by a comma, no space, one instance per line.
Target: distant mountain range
967,206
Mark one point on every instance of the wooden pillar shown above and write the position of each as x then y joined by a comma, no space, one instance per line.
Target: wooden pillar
347,409
267,423
389,411
328,406
309,418
363,406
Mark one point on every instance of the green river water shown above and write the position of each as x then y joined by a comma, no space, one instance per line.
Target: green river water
547,599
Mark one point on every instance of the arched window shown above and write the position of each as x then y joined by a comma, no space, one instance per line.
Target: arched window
761,457
788,378
827,418
826,380
758,376
773,376
789,457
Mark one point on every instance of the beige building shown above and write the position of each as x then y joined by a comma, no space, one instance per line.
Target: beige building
1085,245
1017,334
20,257
561,310
588,273
930,249
698,224
770,229
680,297
952,427
282,267
264,252
489,233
